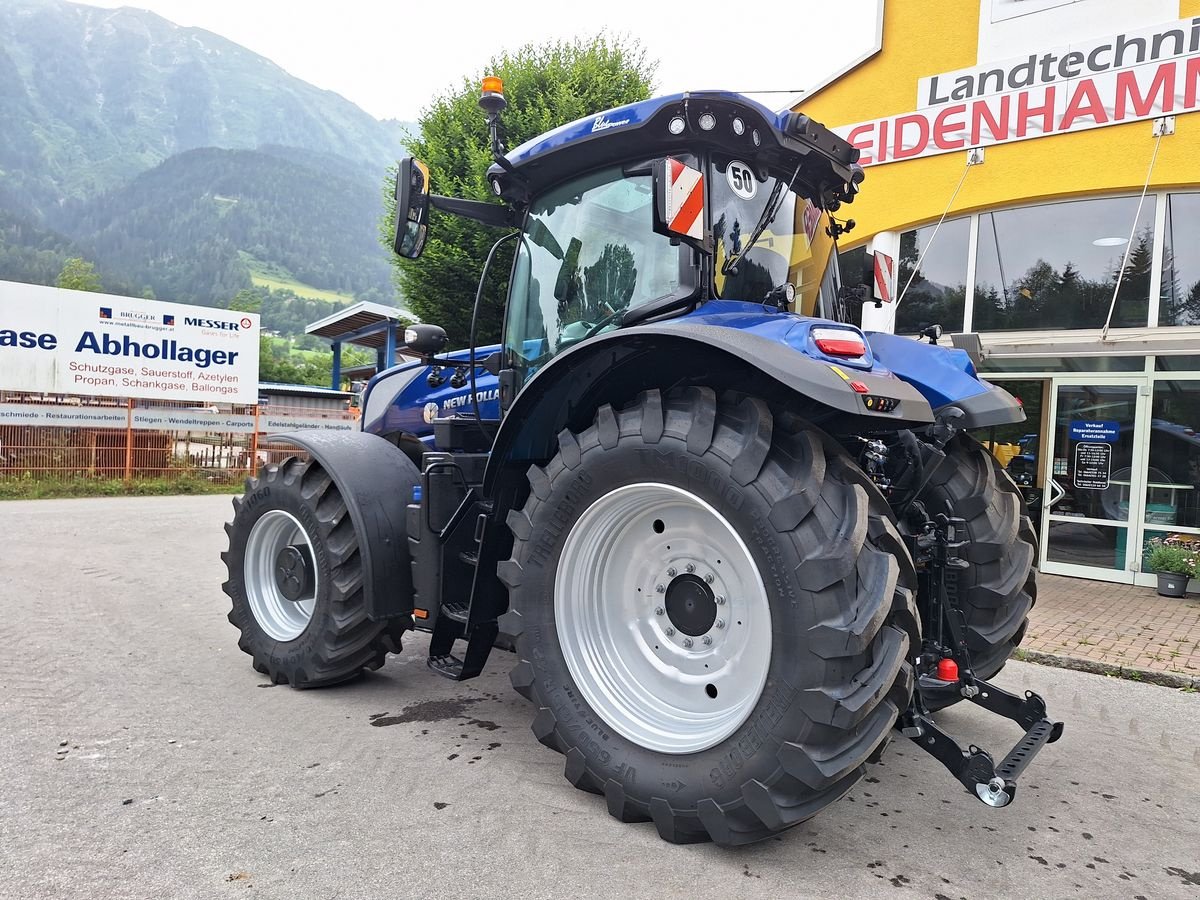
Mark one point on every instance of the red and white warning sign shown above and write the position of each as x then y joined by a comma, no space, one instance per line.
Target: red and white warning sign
884,272
683,204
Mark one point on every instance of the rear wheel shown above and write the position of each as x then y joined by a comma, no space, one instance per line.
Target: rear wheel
296,581
999,585
712,611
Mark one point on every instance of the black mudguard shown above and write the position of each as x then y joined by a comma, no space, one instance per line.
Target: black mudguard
995,406
376,481
615,367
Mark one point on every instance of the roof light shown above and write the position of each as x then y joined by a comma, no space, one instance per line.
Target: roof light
739,127
676,125
708,122
839,342
492,85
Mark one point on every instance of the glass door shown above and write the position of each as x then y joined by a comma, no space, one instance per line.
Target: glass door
1095,490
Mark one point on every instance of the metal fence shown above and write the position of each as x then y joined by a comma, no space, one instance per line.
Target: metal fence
48,438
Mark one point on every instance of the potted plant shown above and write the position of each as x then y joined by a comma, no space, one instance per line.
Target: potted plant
1174,564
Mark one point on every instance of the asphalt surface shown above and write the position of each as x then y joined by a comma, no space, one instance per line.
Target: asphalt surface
143,757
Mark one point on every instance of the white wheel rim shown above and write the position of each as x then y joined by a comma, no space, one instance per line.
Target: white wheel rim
281,618
627,570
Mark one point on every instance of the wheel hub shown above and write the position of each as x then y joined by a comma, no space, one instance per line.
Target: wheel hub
294,572
662,617
279,575
691,605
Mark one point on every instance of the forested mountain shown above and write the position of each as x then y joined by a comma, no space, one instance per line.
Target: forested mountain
184,228
182,164
90,97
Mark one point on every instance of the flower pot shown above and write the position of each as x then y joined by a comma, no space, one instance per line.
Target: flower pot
1172,585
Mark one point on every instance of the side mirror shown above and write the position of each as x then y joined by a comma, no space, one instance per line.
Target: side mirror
412,208
679,201
427,340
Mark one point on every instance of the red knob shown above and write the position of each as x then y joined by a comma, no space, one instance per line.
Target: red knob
947,670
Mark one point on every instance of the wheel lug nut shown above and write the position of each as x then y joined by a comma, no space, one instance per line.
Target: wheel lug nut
720,623
658,610
709,578
691,568
720,599
660,589
672,572
670,631
707,640
687,642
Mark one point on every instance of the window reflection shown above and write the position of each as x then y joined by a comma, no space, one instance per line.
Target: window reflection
1055,266
1173,481
938,291
1179,299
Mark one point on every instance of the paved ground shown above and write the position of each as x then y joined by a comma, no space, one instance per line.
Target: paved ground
1116,624
184,775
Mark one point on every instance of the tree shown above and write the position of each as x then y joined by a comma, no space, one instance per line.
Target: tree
546,86
78,275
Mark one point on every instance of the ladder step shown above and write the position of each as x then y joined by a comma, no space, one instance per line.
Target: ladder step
457,611
447,666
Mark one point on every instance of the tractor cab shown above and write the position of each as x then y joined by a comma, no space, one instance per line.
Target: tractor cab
647,211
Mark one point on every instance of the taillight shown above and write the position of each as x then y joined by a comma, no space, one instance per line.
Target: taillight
839,342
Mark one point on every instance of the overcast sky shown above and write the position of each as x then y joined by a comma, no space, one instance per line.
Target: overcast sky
391,58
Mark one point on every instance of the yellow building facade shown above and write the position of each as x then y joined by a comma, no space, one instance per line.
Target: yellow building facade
1033,187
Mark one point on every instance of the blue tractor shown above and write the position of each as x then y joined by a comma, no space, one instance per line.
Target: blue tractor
736,543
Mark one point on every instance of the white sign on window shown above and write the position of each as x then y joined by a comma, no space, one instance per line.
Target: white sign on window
77,342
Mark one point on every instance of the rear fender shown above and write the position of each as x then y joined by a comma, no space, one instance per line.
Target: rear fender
376,481
615,367
946,377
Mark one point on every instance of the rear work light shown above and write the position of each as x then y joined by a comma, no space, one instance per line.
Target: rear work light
839,342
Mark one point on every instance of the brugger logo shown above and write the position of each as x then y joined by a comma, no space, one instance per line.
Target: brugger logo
169,320
106,312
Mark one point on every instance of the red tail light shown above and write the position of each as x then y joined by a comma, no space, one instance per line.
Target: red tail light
839,342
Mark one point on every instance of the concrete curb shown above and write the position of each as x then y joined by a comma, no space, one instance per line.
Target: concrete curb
1149,676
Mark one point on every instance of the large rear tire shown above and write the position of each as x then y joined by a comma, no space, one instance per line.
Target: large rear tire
296,581
999,585
712,610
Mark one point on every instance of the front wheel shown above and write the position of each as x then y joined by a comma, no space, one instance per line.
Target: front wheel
712,611
998,587
296,581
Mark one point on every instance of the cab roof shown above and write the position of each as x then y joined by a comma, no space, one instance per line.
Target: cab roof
779,142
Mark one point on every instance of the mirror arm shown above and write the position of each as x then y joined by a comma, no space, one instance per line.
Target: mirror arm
478,210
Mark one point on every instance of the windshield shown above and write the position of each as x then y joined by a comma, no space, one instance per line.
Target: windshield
794,247
588,253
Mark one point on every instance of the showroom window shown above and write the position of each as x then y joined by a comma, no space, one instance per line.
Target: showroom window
938,292
1055,266
1179,299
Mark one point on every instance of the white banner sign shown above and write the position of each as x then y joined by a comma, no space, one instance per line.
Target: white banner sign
164,419
1136,75
69,416
76,342
274,424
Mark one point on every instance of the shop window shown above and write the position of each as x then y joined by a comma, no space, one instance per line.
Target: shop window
1055,266
1179,299
1173,479
938,292
1001,364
